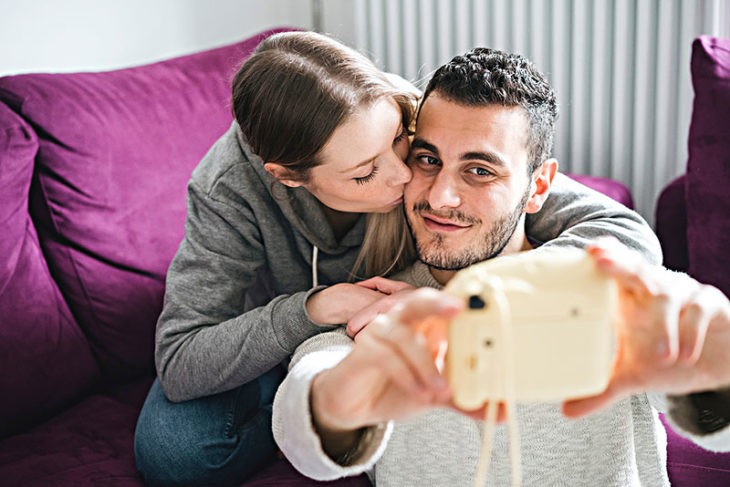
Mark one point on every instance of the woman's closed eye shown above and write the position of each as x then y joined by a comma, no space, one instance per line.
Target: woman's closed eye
401,135
368,178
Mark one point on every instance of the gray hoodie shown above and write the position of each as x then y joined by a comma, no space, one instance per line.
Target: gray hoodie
236,289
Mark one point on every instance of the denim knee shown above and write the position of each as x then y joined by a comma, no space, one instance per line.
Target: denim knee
215,440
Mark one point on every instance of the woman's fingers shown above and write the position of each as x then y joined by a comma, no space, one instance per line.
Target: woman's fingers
384,285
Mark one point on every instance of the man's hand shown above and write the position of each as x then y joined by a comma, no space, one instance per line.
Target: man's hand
673,333
389,374
395,291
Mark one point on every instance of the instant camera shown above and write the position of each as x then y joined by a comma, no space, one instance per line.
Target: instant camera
538,326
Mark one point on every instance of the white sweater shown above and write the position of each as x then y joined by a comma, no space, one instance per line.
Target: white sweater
620,446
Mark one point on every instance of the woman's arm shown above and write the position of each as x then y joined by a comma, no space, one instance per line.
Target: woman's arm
574,215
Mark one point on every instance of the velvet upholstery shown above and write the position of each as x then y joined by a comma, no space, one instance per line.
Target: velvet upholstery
110,195
45,359
693,224
708,167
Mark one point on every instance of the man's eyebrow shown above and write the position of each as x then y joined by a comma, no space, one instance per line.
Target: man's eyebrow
422,144
490,157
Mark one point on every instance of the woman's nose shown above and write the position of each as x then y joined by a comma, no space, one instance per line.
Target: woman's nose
401,173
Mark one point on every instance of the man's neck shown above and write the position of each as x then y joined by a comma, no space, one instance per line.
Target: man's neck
515,245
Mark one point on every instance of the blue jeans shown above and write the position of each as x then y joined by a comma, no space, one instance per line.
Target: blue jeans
215,440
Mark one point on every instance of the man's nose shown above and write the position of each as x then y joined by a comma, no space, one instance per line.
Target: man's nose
443,193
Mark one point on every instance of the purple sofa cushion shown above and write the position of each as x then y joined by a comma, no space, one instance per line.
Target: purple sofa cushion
609,187
116,152
708,168
44,358
671,225
91,444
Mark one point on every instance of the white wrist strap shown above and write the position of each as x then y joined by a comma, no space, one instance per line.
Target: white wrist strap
506,360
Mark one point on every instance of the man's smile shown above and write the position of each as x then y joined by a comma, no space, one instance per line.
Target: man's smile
442,224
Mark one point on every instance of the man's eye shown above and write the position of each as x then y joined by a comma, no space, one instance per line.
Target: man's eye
428,160
480,171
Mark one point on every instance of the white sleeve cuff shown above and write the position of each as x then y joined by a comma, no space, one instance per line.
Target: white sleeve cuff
295,434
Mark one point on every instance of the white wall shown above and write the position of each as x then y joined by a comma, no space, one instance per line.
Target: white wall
92,35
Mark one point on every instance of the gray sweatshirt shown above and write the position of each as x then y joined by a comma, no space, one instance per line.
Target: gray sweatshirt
623,445
236,289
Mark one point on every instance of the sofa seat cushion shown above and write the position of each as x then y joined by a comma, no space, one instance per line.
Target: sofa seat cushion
45,359
116,150
708,168
91,444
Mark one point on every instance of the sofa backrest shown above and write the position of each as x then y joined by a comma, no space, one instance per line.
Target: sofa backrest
97,165
44,357
708,168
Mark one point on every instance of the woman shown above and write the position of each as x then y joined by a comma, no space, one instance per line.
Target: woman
276,210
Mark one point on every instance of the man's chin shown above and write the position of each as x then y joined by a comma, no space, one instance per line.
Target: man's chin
446,262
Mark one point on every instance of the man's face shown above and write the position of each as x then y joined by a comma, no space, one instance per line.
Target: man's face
470,183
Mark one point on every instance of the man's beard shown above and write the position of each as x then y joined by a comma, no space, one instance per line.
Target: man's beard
499,235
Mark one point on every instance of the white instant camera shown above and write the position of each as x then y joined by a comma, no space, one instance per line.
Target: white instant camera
544,319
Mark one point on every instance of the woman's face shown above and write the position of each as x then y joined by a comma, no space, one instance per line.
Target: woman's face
363,166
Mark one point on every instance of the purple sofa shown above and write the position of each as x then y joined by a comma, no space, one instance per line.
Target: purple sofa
93,173
693,223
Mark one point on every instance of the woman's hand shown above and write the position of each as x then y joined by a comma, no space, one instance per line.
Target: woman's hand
336,304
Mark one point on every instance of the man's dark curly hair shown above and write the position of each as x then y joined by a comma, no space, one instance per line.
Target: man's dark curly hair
486,76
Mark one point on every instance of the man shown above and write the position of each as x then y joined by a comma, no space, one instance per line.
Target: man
479,162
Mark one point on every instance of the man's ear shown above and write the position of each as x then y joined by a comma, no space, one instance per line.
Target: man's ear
282,174
542,180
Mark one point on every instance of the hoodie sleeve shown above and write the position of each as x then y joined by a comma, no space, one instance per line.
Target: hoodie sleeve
205,343
574,215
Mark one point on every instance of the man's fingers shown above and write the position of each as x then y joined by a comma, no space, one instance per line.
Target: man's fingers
694,320
577,408
626,266
411,347
480,413
360,320
393,365
425,303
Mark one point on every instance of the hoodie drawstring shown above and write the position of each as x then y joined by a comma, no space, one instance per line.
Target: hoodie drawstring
315,253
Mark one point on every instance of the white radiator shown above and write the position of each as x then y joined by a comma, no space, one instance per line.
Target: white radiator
620,69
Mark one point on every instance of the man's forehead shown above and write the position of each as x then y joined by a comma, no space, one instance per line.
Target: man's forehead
442,122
